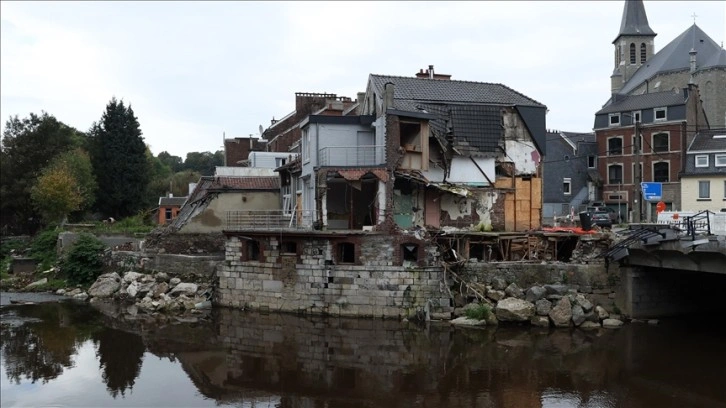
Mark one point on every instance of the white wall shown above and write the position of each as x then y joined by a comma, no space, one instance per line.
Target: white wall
244,171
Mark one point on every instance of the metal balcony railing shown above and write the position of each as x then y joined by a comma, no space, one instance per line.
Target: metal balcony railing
269,220
352,156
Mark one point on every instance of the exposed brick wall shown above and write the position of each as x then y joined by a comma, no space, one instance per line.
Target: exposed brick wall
239,148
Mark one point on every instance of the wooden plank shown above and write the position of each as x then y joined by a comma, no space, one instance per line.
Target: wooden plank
509,211
536,195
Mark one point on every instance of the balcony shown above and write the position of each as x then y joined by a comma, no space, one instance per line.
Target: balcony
353,156
269,220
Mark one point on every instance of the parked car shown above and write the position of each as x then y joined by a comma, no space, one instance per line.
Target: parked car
613,214
601,219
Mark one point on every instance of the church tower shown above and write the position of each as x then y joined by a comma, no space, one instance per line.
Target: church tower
634,45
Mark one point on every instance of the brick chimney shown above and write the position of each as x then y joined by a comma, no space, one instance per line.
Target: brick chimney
430,74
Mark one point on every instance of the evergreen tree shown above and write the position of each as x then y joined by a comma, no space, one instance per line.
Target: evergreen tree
119,161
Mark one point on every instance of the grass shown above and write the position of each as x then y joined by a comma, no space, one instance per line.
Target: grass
51,286
479,312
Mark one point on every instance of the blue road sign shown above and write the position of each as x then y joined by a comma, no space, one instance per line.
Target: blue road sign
652,191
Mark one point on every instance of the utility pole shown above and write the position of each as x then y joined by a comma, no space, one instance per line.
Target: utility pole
638,193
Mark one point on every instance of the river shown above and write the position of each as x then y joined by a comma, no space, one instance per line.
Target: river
67,354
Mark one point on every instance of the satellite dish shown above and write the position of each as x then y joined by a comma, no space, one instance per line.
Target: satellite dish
261,130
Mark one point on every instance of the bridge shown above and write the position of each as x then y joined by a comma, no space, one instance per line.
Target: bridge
669,270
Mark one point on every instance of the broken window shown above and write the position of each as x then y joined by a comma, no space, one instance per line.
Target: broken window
346,252
253,250
288,247
660,142
615,146
167,214
411,136
409,252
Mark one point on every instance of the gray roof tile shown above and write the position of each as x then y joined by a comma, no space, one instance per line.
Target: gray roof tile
646,101
408,89
635,21
675,57
705,141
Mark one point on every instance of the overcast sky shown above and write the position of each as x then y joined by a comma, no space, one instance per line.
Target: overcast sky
195,70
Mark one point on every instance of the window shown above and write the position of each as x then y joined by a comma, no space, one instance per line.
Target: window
720,160
660,142
167,214
306,145
615,146
702,160
615,174
591,162
632,53
567,186
614,119
660,114
288,247
636,117
346,252
279,162
704,190
409,252
253,250
643,53
661,172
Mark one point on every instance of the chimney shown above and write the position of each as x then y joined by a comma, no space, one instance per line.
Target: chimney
361,96
388,96
431,72
171,195
273,121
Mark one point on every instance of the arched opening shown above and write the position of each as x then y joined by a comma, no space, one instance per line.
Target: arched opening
632,53
643,53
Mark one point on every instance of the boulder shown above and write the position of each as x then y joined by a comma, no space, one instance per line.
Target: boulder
601,313
174,281
559,290
159,289
105,286
589,325
132,276
514,291
514,310
60,292
535,293
37,283
543,307
80,296
612,323
465,321
540,321
582,301
161,277
189,289
145,288
578,315
561,314
499,284
133,289
495,295
74,292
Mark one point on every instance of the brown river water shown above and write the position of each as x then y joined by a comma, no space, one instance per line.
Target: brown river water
67,354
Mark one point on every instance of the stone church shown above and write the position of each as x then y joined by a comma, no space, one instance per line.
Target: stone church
692,57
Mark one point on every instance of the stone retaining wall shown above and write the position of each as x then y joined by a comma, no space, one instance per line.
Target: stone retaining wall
185,267
309,282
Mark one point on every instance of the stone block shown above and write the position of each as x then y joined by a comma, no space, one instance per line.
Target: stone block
272,286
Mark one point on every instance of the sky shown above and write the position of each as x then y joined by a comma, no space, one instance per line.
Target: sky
196,72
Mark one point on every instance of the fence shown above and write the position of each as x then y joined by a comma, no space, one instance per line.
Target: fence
268,220
352,156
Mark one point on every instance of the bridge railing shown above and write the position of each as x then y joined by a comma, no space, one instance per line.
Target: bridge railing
697,224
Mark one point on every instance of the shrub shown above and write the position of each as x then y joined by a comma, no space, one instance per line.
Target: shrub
479,312
43,248
84,262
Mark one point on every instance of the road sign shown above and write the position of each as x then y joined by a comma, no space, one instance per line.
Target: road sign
652,191
660,207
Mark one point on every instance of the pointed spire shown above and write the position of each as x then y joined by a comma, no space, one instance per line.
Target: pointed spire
635,21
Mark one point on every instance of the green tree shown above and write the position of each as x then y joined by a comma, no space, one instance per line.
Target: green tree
119,161
204,163
56,193
175,163
28,146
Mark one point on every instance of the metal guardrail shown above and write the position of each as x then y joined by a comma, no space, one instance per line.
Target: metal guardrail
268,220
352,156
699,223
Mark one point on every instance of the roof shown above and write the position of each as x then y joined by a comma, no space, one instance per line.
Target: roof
172,201
576,137
675,56
635,21
445,90
245,183
468,112
629,103
709,140
716,60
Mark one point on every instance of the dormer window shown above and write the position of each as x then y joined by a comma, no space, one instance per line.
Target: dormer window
614,119
636,117
660,114
702,160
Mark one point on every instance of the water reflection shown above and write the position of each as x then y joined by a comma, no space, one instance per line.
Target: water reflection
246,359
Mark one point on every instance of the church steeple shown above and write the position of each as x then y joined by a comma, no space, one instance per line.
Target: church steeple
634,45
